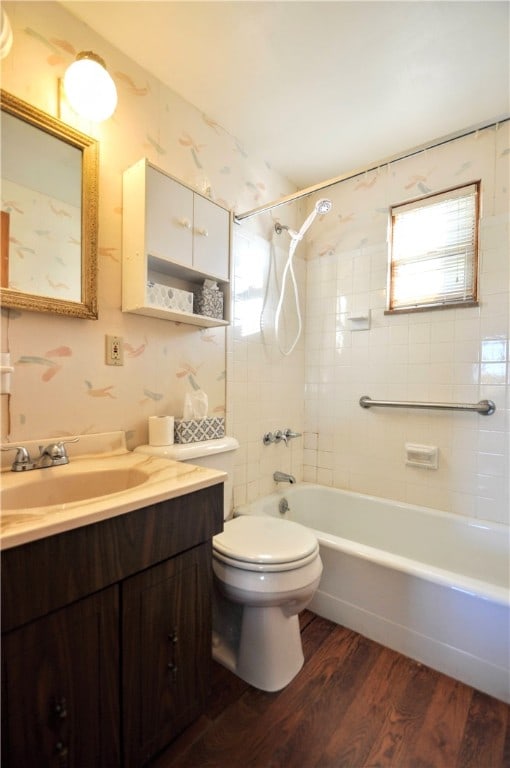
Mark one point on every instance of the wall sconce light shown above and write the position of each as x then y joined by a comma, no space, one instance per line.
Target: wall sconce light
5,35
89,88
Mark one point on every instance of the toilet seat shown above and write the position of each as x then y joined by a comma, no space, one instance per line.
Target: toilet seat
257,543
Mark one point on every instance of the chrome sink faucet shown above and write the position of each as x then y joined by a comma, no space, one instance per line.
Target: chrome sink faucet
283,477
53,455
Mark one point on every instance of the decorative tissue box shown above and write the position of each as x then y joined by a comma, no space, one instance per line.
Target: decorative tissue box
169,298
194,430
208,302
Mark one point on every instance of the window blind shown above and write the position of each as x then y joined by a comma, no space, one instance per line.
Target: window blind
434,250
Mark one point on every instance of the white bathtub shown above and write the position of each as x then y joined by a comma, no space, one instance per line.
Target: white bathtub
431,585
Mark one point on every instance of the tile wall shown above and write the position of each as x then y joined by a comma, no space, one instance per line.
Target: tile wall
454,355
265,389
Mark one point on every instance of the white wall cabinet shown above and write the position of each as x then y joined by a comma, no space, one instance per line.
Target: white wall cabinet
173,236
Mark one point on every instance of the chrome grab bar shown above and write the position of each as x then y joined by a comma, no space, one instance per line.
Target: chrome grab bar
485,407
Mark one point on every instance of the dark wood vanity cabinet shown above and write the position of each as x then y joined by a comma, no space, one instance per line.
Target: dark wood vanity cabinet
106,636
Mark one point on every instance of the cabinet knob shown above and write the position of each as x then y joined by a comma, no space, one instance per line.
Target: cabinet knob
173,637
61,708
173,669
62,752
202,231
186,223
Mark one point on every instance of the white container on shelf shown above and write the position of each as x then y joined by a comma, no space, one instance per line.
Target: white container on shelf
166,297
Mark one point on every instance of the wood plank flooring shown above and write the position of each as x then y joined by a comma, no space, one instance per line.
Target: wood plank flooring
355,704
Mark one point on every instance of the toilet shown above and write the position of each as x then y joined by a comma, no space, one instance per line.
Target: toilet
266,571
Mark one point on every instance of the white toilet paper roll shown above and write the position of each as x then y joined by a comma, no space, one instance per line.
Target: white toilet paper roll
161,430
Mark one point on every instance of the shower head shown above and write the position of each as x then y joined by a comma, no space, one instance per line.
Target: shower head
323,206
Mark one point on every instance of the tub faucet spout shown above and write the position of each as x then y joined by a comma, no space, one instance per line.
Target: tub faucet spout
283,477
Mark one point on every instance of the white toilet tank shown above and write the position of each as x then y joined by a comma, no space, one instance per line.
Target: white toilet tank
215,454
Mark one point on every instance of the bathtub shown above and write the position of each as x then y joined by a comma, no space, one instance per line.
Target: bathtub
429,584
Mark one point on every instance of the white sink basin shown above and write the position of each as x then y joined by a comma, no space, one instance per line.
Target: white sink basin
46,487
103,479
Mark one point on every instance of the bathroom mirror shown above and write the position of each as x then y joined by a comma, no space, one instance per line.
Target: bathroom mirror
49,177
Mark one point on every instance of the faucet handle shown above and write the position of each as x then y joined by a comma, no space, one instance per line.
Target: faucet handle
289,433
57,451
22,460
19,448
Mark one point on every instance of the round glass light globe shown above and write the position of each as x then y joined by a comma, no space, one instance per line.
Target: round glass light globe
90,90
5,35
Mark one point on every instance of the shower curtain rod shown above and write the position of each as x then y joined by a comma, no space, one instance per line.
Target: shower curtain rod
366,169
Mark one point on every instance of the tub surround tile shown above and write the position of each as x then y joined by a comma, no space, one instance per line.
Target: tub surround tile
456,355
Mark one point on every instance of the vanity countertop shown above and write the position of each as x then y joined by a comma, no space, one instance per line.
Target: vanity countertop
165,479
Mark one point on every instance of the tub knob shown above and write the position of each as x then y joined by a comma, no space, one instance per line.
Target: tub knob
288,434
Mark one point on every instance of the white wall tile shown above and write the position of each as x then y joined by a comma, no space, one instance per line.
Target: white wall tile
431,356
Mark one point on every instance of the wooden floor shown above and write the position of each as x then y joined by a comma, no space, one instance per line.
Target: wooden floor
354,704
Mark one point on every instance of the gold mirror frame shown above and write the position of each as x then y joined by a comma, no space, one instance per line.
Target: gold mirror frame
87,307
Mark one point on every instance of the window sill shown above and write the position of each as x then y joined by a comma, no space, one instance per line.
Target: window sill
431,307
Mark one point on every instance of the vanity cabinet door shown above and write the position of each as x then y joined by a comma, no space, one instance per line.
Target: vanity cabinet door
166,641
169,218
210,238
60,688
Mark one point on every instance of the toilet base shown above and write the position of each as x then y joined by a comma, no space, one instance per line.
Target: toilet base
269,654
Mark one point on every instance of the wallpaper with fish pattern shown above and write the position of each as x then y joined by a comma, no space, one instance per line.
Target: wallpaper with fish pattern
61,384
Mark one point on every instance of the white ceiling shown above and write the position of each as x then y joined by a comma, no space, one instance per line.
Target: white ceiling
321,88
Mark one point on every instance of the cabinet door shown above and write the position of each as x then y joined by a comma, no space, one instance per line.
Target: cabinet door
166,630
169,222
60,686
210,238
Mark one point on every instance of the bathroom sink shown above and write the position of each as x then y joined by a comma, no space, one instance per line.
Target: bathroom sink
58,486
102,480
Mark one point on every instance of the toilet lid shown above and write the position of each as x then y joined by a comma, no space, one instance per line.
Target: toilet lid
264,540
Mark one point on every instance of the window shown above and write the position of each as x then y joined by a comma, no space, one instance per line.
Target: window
434,251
